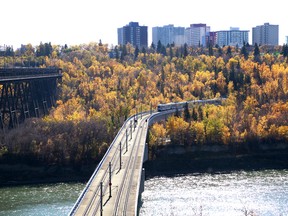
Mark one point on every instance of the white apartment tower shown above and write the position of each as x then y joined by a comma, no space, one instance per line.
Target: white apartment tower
232,37
265,34
168,34
196,34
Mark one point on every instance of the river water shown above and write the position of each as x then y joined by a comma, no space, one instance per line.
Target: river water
242,193
46,199
264,193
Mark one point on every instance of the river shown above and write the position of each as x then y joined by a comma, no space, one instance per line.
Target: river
242,193
47,199
265,193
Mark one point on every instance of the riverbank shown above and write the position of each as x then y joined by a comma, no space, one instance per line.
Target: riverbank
179,161
170,161
23,174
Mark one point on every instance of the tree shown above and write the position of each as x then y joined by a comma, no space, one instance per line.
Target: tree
244,51
229,51
152,46
44,49
177,128
159,47
136,53
124,52
194,114
220,51
285,50
143,50
256,52
163,50
116,52
211,53
187,115
185,53
170,52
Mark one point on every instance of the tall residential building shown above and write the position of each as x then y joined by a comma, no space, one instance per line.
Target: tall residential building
232,37
265,34
196,34
168,34
286,39
211,38
133,34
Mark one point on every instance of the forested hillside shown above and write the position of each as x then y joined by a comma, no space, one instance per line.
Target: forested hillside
98,93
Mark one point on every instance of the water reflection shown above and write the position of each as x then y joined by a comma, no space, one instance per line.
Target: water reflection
52,199
262,192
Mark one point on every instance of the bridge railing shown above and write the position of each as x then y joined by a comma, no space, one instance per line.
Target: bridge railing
76,205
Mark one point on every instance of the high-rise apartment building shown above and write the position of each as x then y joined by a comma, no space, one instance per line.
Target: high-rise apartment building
265,34
196,34
168,34
211,39
133,34
232,37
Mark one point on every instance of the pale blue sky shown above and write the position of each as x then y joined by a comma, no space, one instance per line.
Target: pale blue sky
76,22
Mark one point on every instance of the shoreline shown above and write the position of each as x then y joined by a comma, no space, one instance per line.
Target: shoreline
191,163
170,161
19,174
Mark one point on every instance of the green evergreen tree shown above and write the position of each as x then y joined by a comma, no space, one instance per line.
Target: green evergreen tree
187,115
144,52
152,47
229,51
244,51
211,52
285,50
256,50
200,113
116,52
124,52
136,53
185,52
159,47
256,53
194,114
171,52
163,50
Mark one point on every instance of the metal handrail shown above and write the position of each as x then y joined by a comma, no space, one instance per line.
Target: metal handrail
76,205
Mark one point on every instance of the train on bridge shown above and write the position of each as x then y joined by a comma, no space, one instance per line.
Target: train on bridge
181,105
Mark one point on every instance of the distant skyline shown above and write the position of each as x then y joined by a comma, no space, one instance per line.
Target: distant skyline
76,22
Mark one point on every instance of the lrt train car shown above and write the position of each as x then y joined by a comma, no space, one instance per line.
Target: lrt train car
181,105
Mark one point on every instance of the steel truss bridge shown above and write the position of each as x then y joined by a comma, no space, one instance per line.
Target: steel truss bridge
26,92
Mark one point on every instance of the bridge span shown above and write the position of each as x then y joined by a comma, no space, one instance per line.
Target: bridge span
26,92
118,181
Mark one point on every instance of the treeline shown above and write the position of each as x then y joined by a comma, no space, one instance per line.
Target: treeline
100,88
61,143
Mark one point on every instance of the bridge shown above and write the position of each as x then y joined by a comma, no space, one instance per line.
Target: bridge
26,92
118,181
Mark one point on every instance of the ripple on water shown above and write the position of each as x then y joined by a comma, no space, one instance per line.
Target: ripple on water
52,199
264,192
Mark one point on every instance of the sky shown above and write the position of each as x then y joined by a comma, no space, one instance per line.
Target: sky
75,22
